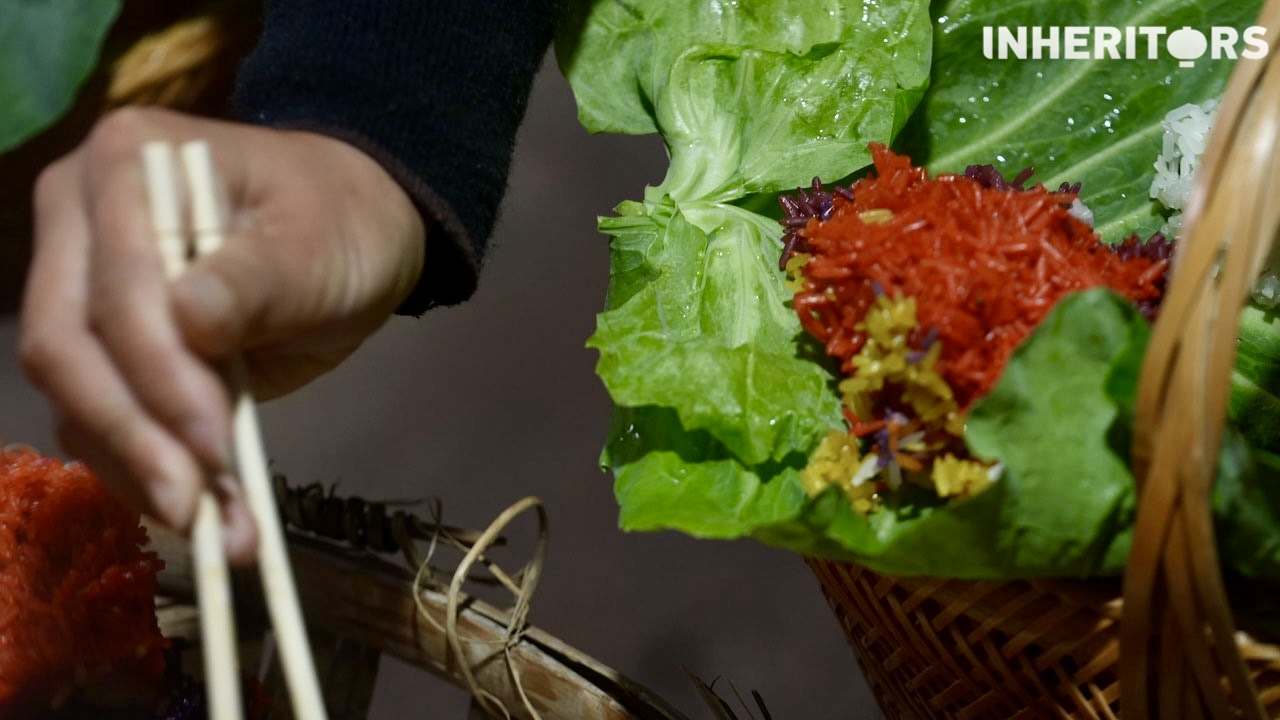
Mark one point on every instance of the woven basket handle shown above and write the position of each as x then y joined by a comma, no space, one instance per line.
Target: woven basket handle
1178,637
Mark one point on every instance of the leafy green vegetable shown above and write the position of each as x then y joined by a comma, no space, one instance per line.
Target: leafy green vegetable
1255,383
1066,394
750,97
47,49
720,402
671,478
1247,498
1054,401
1090,121
1069,517
698,322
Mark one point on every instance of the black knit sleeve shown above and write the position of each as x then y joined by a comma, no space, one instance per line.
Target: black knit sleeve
433,90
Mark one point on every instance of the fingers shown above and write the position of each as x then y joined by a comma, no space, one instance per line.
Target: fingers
130,312
103,422
166,486
145,412
324,245
239,531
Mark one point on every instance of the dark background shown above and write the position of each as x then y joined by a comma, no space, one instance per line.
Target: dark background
486,403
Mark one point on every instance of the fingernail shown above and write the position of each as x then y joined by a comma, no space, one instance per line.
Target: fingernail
228,487
239,535
172,501
239,532
212,443
204,293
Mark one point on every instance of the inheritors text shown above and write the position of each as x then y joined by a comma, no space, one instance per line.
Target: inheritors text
1185,44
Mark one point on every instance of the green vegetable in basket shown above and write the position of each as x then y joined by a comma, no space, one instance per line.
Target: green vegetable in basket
722,401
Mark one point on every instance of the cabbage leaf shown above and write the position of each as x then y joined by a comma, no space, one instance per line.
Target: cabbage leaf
749,96
1091,121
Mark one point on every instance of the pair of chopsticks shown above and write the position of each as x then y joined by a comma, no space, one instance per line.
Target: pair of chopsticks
213,587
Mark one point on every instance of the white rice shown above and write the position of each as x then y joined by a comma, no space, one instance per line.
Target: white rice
1081,212
1186,131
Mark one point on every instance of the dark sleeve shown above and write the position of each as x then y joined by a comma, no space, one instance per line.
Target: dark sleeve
433,90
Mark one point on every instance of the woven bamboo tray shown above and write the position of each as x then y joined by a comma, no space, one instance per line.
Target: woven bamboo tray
1163,643
360,607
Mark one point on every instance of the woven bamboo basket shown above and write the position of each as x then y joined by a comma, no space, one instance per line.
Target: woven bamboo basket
1163,642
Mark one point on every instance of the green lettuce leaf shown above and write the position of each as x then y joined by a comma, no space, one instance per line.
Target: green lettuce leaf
1090,121
698,321
669,477
1054,400
47,49
751,97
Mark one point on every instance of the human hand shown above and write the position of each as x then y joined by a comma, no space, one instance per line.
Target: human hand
322,246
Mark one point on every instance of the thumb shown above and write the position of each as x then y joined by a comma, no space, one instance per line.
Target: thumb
282,310
220,300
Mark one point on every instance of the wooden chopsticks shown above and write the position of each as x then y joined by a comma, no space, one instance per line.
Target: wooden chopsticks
217,623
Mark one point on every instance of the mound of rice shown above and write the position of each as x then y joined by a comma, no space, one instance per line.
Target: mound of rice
1186,132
